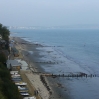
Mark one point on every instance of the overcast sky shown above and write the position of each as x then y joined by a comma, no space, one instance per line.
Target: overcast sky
48,12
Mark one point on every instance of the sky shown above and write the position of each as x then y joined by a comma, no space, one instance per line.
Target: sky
49,12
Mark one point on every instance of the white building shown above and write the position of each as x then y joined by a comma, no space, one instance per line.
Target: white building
24,65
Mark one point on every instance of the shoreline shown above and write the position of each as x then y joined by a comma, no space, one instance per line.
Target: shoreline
75,58
24,47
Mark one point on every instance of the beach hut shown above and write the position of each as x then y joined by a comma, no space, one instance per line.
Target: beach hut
21,84
13,72
15,76
16,80
29,97
22,88
24,93
13,65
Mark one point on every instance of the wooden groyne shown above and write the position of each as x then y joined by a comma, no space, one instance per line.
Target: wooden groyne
45,84
49,62
69,75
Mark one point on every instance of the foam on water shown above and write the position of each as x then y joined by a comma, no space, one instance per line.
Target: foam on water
30,52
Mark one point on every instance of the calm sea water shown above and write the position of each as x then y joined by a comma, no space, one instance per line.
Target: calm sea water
75,50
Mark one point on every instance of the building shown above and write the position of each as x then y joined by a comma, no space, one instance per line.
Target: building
24,65
30,97
13,65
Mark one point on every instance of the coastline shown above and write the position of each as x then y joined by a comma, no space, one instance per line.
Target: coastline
26,48
76,59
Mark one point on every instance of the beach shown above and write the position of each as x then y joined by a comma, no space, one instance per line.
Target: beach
33,75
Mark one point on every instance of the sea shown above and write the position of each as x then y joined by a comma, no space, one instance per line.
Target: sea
73,51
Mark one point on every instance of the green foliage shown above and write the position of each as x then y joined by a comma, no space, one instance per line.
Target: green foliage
2,96
4,32
8,90
2,57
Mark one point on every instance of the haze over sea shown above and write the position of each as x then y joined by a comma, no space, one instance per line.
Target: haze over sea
76,50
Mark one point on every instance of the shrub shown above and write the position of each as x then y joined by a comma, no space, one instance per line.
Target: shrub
2,58
7,87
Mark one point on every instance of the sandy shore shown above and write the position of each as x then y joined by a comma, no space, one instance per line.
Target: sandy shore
33,79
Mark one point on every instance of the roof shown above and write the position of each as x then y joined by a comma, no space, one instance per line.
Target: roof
23,63
13,71
13,62
29,97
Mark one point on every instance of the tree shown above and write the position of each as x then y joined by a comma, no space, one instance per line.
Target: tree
4,32
8,90
2,57
2,96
